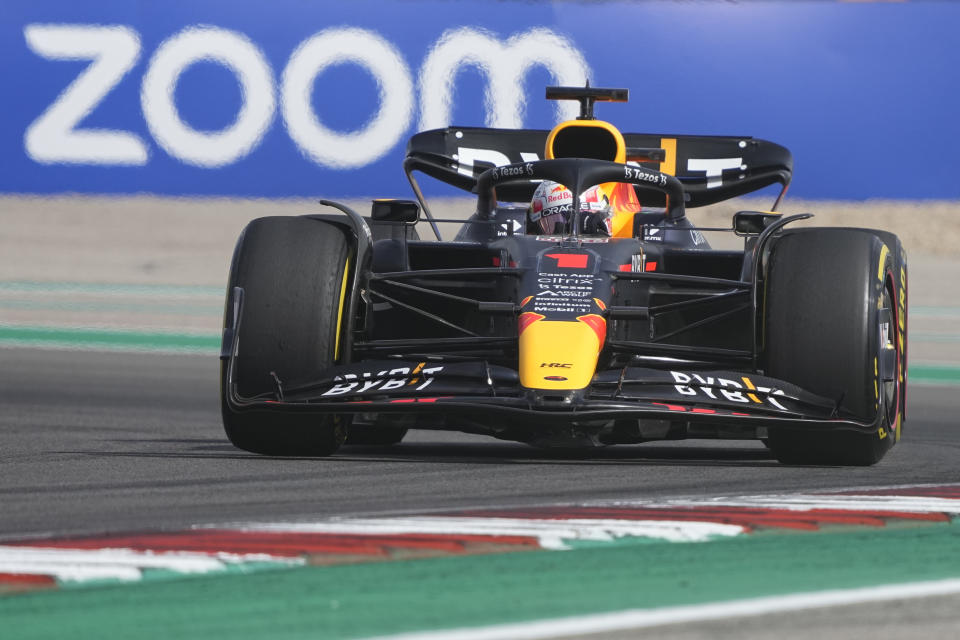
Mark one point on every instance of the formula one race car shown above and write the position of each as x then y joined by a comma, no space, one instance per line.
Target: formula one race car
576,307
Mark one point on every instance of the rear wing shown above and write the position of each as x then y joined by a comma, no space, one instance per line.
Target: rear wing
710,168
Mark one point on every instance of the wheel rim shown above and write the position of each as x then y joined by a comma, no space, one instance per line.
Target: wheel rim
888,395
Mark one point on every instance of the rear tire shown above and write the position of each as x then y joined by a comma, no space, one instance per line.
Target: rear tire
830,315
292,271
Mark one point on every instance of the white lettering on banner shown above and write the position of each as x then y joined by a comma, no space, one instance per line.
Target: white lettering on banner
238,54
53,137
385,64
714,167
504,64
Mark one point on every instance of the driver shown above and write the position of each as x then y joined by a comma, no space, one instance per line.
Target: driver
606,209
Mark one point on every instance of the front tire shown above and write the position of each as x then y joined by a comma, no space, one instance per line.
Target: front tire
831,314
292,271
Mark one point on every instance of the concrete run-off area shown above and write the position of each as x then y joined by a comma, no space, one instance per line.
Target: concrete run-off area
148,273
162,240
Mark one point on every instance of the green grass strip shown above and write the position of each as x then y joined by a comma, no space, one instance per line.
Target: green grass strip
355,601
108,339
143,307
936,374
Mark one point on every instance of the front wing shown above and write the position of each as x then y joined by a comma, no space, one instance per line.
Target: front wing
481,392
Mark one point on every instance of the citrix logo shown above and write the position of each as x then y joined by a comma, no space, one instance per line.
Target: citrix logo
55,137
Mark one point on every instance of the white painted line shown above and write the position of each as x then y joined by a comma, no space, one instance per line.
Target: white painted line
551,534
892,487
642,618
118,564
67,572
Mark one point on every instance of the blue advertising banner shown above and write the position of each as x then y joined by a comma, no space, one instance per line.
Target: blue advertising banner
294,98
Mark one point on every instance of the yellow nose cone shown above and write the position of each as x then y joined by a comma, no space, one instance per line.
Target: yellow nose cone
559,354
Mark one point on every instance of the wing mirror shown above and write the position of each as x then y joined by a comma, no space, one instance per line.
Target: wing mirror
751,223
390,210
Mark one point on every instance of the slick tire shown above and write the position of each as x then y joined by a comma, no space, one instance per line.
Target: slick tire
292,271
832,311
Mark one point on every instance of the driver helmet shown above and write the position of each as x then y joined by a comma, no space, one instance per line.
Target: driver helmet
551,210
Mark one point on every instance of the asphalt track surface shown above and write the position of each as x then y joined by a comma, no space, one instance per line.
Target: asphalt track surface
94,442
97,442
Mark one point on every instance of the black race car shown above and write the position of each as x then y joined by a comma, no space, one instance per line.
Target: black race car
340,327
